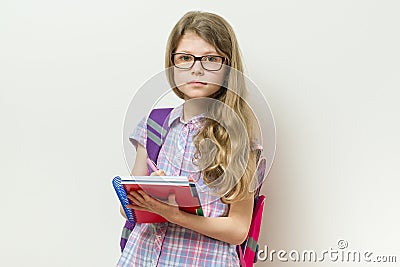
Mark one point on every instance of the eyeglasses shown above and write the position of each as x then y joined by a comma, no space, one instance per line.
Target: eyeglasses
186,61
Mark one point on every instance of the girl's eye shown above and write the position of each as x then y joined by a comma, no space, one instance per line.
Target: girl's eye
212,59
185,58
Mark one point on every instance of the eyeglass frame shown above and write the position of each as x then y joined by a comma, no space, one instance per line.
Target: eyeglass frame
197,59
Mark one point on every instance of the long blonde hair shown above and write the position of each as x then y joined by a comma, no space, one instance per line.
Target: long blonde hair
233,183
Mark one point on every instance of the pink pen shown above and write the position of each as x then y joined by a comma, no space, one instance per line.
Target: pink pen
152,165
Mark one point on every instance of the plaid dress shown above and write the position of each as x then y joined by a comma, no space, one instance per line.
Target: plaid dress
168,244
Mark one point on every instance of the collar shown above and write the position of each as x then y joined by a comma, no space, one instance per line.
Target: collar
194,123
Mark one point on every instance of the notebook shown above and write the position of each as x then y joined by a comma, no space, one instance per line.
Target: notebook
159,187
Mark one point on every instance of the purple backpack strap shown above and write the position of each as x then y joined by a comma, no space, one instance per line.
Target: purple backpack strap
157,129
126,231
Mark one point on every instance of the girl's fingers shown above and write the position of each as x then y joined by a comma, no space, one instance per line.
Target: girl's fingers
145,196
132,199
142,201
141,198
136,198
150,202
135,207
136,195
171,200
158,173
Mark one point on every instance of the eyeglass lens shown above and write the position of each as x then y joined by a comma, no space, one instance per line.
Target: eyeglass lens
208,62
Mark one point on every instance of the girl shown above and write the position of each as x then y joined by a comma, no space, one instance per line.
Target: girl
203,63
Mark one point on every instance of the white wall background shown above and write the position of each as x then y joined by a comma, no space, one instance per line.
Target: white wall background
68,70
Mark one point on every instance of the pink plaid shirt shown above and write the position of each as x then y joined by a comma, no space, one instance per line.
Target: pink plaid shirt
168,244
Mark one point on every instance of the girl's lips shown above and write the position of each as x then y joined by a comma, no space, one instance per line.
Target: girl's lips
197,83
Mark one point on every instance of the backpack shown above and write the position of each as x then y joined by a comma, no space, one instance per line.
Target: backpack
157,129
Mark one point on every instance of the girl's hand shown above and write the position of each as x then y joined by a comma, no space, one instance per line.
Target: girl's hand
142,201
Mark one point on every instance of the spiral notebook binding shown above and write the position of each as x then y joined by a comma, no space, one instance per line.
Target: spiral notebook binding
121,193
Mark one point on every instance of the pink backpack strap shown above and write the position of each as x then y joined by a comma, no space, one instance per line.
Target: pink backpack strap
254,232
241,257
248,250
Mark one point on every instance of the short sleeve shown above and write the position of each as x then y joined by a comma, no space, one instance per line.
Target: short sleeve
139,135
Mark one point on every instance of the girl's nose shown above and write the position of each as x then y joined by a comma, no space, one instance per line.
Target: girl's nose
197,69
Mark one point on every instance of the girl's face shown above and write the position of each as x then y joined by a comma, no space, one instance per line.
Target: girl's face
197,81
